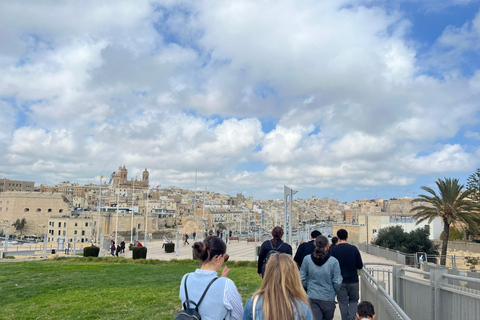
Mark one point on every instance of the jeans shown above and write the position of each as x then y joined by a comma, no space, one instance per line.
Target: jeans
322,310
347,298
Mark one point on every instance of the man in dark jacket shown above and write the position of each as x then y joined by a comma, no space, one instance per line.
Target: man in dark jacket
306,248
350,260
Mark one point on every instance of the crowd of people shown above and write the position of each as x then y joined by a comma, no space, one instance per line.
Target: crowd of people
115,250
303,287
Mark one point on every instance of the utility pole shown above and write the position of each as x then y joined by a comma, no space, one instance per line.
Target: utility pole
131,223
99,206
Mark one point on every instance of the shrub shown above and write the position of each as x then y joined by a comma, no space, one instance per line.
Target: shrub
169,247
139,253
131,246
91,251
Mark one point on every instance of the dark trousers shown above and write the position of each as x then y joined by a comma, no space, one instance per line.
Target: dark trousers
347,298
322,310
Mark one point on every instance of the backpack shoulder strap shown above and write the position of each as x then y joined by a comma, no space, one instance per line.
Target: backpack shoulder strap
280,245
271,245
187,306
205,292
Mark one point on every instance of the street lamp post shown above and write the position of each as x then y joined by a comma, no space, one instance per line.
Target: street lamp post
288,193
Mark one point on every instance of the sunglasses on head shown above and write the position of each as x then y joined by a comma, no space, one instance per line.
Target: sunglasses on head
225,257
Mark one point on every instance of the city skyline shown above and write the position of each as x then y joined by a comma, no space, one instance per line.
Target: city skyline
342,99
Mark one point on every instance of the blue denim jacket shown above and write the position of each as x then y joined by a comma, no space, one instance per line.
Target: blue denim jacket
306,312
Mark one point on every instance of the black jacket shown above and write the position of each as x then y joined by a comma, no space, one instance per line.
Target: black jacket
303,250
266,247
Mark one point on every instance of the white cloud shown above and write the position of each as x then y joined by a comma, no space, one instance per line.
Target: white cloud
326,94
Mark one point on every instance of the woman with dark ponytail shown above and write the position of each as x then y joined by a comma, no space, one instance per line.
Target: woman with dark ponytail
222,300
276,245
321,277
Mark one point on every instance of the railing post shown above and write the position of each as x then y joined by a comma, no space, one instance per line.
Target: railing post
396,286
436,281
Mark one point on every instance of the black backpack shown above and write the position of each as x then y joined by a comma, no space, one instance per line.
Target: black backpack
191,313
270,253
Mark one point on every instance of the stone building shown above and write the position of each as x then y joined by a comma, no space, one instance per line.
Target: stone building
120,179
16,185
35,207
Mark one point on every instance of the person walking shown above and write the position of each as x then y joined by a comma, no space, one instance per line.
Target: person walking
119,249
334,242
112,248
276,245
321,277
222,300
194,236
306,248
122,245
281,295
350,260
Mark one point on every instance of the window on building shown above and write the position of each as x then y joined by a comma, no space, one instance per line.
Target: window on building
75,232
39,210
374,230
138,226
64,224
86,224
58,232
49,210
59,224
64,232
75,224
60,211
83,232
26,209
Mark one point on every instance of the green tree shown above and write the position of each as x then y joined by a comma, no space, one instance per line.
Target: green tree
452,204
473,184
221,226
19,225
392,237
395,238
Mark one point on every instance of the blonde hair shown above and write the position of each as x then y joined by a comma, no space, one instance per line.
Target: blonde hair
281,289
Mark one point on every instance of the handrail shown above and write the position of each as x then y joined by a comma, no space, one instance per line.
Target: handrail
461,278
386,295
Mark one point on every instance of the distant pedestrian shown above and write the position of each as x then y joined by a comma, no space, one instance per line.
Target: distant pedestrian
218,233
122,246
67,248
165,240
334,242
112,249
350,260
119,249
194,235
306,248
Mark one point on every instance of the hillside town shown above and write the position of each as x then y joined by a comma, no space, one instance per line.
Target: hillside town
71,211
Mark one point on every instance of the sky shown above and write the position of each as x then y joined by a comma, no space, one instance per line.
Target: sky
335,98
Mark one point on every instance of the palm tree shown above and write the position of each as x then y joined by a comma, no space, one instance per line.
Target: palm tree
20,225
451,204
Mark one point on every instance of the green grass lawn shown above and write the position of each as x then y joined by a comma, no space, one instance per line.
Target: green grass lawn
103,288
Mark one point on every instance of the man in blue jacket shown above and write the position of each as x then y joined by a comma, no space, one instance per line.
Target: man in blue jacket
350,260
306,248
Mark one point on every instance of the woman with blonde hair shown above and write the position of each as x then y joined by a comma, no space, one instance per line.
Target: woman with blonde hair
281,295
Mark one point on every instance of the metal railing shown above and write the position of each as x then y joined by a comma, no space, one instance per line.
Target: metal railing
406,293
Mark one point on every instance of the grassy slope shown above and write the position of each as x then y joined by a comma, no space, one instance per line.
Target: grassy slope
67,289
